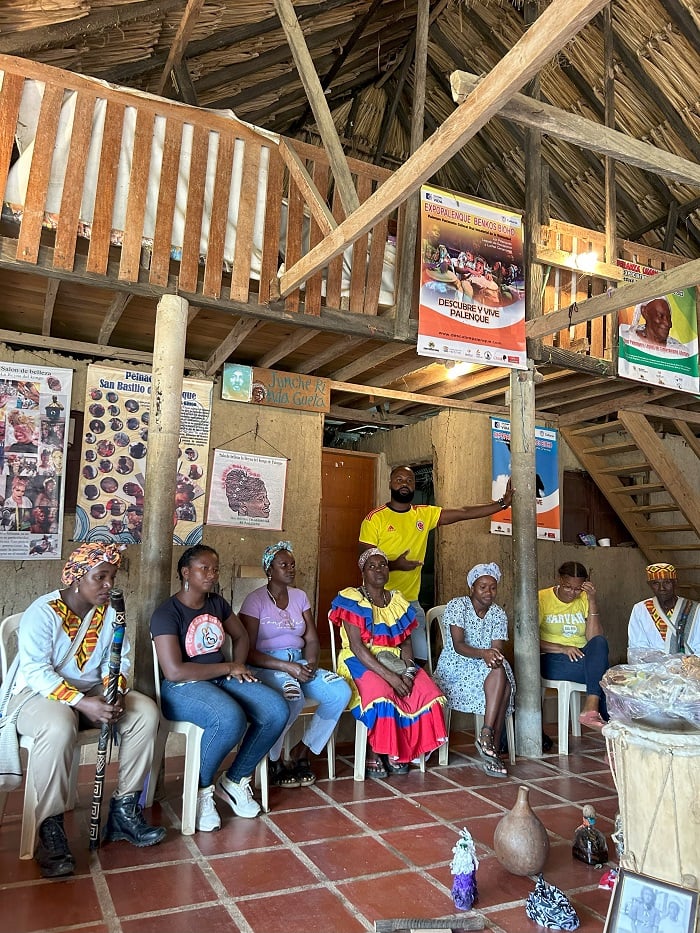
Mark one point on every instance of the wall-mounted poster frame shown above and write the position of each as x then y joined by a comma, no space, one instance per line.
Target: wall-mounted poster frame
247,490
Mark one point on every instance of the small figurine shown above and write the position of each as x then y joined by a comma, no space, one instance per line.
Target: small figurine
607,882
589,843
463,867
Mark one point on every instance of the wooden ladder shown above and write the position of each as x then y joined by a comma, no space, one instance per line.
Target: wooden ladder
635,470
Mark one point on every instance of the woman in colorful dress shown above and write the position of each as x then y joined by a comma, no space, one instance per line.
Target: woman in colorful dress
395,699
472,670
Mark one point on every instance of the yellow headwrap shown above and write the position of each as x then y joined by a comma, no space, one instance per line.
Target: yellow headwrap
87,556
661,572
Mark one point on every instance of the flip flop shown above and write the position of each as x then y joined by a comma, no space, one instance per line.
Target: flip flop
401,767
495,768
281,776
303,772
374,768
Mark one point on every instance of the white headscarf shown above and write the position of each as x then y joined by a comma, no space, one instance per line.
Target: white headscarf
483,570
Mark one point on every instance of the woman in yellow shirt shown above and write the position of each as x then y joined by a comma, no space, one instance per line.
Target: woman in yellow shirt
572,643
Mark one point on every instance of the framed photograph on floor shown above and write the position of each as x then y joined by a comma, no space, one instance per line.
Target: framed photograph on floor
641,904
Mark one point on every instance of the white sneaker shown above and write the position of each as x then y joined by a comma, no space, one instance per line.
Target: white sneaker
238,796
208,819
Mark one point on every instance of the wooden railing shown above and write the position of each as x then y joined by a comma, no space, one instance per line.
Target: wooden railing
277,194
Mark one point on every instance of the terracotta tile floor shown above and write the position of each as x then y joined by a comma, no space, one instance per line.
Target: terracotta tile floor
328,859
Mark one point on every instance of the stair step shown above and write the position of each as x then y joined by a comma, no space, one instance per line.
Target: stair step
639,488
683,567
605,449
663,529
625,469
677,547
593,429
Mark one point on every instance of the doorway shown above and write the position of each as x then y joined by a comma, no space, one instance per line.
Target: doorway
347,495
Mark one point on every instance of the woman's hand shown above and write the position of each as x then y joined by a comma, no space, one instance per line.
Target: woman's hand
401,683
493,657
299,671
572,653
98,710
239,672
589,590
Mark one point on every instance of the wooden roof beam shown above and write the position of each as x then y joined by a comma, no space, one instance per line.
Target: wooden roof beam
364,416
234,339
586,134
295,340
367,361
49,304
182,37
559,22
112,315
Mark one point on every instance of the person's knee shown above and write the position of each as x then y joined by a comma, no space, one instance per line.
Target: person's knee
598,645
143,711
60,730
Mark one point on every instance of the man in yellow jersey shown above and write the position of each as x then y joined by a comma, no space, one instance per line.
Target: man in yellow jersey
401,530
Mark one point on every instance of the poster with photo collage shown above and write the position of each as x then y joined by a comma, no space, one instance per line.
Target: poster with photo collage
34,419
112,487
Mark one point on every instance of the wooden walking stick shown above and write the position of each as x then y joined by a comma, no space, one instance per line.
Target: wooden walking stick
115,656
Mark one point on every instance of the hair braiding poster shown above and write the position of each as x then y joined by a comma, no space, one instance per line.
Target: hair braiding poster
247,490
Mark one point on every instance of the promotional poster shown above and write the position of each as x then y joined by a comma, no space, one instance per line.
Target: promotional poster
546,481
658,342
472,294
247,490
112,486
34,423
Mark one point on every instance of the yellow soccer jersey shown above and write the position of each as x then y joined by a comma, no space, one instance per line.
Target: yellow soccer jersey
396,532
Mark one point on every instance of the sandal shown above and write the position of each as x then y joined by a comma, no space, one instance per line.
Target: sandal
303,772
374,768
494,767
485,744
400,767
279,775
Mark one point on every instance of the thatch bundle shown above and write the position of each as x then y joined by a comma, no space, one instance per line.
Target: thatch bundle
17,15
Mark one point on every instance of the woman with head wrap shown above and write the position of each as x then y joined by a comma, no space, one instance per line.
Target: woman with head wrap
472,670
284,650
395,699
60,689
223,697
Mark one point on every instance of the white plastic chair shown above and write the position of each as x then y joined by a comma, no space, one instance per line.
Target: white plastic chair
8,649
310,707
360,728
435,615
190,779
568,703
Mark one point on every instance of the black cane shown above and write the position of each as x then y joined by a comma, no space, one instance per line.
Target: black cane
115,655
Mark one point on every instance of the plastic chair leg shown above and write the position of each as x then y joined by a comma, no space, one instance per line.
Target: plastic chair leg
360,750
444,750
190,783
563,700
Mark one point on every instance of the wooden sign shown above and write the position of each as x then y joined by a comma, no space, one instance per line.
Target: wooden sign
290,390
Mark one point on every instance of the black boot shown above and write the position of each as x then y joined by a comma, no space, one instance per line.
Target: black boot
126,822
52,852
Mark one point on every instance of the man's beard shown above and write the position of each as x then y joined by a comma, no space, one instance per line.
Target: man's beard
398,495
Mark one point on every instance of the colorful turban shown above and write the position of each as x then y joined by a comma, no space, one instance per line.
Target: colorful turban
87,556
661,572
483,570
269,553
370,552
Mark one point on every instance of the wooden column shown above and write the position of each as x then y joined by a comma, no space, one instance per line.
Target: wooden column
610,180
526,630
526,638
407,261
161,470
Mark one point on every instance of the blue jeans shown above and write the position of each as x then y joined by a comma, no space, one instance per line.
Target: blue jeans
419,636
231,714
329,690
587,670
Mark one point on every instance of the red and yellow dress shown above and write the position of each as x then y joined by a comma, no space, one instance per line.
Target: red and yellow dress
401,727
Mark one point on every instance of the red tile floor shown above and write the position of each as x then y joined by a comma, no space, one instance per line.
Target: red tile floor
332,858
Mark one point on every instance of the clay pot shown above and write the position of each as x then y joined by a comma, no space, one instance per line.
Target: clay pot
520,840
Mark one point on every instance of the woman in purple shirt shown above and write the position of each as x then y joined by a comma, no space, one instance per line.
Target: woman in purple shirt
284,650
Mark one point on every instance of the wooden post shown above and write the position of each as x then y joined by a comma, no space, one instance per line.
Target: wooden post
407,261
161,469
610,180
526,629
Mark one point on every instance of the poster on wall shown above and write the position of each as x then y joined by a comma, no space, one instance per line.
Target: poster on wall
272,387
34,421
112,486
546,480
247,490
472,291
658,342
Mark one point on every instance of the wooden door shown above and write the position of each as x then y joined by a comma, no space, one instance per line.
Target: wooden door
347,495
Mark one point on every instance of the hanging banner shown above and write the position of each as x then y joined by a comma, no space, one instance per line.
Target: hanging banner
658,342
472,294
112,485
34,417
546,480
247,491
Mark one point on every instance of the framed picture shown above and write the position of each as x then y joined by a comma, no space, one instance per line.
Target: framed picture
641,904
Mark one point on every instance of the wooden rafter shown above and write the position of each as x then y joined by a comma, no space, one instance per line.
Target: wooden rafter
49,303
234,339
182,37
559,22
112,315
